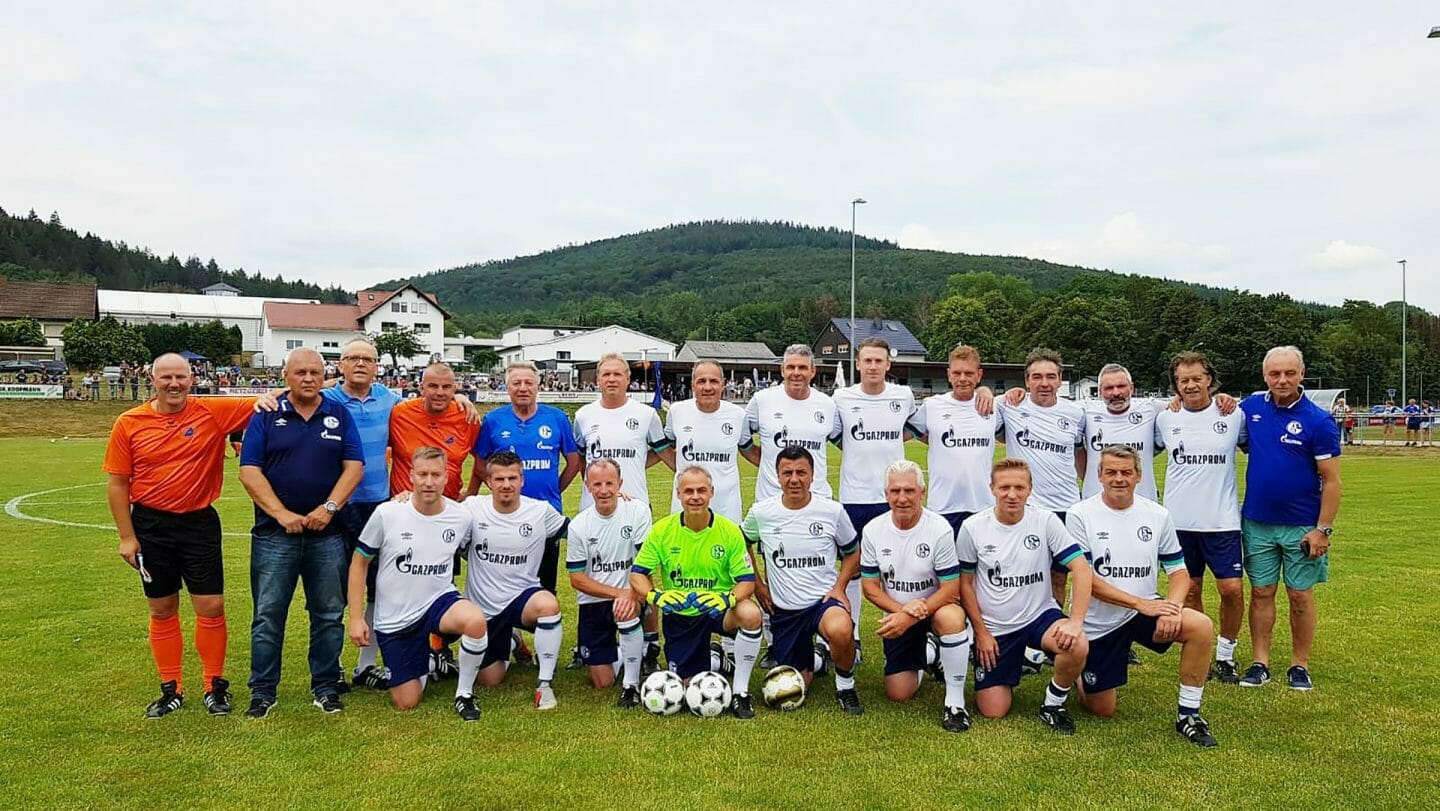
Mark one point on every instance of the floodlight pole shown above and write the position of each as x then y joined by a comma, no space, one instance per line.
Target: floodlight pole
1404,328
858,201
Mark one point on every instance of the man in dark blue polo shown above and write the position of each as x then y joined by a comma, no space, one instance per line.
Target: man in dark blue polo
299,463
1292,494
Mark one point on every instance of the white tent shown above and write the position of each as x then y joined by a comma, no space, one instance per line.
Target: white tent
839,375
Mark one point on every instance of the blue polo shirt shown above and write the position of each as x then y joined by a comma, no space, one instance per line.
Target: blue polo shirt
371,415
1282,481
301,458
540,442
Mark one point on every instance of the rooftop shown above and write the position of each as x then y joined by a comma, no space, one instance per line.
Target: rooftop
895,333
47,301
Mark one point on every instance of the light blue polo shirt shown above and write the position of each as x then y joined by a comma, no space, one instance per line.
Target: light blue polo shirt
371,415
1282,481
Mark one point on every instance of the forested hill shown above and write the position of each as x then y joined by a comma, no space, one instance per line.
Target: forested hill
35,249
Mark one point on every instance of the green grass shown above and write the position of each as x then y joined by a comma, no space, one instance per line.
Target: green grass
76,673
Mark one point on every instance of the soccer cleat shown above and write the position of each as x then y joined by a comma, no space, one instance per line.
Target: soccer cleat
767,662
956,719
545,697
217,698
740,706
442,664
328,703
849,701
342,687
1194,729
521,651
576,660
1256,675
1299,678
651,662
170,700
466,708
1225,671
1058,719
1131,657
629,698
260,707
373,678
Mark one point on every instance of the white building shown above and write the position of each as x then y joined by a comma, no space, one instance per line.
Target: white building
561,352
457,347
136,307
326,327
526,334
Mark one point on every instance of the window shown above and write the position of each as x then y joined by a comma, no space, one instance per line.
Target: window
842,348
387,326
826,349
422,329
293,344
397,307
418,308
562,354
330,344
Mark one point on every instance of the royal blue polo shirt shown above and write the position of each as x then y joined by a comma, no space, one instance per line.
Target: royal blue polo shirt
302,459
1282,481
540,442
371,415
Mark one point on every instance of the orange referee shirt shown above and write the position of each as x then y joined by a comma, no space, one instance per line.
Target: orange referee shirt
412,428
176,462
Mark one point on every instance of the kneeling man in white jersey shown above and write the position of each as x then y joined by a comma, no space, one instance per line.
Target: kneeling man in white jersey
415,593
1128,539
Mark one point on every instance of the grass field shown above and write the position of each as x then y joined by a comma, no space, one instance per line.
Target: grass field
77,673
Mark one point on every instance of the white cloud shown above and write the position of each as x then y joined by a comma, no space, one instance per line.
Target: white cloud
1341,255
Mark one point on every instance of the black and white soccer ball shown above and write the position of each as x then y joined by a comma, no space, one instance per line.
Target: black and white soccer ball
721,661
663,693
708,694
783,689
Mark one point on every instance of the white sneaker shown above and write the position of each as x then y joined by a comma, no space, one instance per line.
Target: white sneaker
545,698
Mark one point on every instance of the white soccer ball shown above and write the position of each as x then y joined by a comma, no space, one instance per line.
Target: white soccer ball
662,693
708,694
932,650
1036,658
822,659
784,688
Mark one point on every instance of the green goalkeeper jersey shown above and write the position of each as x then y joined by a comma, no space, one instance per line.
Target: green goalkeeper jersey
679,558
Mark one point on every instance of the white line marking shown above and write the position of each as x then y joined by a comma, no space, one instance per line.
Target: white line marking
12,508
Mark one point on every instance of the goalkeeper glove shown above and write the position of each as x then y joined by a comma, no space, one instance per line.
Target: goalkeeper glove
667,601
714,602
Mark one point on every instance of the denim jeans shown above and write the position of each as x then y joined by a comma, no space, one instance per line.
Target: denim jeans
277,561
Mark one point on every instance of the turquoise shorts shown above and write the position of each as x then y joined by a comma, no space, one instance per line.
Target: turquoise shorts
1271,548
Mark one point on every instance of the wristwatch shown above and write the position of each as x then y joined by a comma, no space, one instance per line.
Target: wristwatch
1327,530
332,508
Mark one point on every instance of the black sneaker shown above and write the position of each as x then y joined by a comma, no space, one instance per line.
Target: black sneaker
1225,671
217,698
740,705
629,698
577,661
767,662
849,701
651,662
955,719
1256,675
1131,657
169,701
373,678
521,651
329,703
466,708
1194,729
342,687
260,707
1058,719
442,664
1299,678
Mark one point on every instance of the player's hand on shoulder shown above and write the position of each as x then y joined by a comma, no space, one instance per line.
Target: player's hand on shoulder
402,497
1226,404
472,414
269,401
1013,396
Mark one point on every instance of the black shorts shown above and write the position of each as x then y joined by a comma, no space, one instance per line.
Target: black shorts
1108,665
596,634
687,641
178,548
906,653
793,633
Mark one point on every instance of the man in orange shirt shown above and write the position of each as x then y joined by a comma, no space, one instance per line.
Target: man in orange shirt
166,460
433,419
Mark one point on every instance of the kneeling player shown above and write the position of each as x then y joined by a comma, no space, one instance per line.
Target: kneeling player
800,537
603,540
1006,554
1128,539
509,533
693,567
909,569
415,593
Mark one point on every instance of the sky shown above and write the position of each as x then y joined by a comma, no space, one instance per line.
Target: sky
1281,146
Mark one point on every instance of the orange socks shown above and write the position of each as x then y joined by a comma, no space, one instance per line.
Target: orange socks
210,642
168,646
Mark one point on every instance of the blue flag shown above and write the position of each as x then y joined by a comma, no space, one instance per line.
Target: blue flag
659,400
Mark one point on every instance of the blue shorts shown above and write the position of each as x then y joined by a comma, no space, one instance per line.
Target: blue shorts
502,626
792,633
1412,424
1006,672
1108,664
956,519
687,641
407,652
906,653
1222,551
862,514
596,634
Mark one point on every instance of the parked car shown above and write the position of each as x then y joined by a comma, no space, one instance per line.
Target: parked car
111,373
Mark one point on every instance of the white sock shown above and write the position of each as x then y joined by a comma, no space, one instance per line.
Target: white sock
1190,699
1055,695
547,644
472,650
764,629
955,659
854,595
844,679
747,650
632,650
1224,649
370,654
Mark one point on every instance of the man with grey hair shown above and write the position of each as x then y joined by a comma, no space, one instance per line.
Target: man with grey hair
1292,495
792,414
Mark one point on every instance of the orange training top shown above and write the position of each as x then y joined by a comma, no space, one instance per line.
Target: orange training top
176,462
412,428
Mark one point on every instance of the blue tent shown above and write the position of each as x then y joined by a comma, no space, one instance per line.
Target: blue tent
192,356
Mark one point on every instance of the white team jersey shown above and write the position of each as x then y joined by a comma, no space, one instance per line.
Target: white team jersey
505,549
800,547
604,546
961,452
712,440
782,421
416,559
627,435
910,563
1127,548
1200,490
1012,565
872,436
1134,428
1046,438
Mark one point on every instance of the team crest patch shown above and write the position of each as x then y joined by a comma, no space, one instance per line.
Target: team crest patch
1294,427
1146,534
1089,678
331,422
526,530
820,417
1063,422
632,423
816,529
717,551
545,432
1220,427
726,428
627,532
1136,419
191,431
1032,542
448,536
895,406
923,550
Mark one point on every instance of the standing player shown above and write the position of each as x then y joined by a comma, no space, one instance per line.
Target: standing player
436,420
1201,496
694,569
508,538
415,544
961,441
166,460
604,538
710,433
792,414
1118,419
1412,422
800,537
1005,553
1129,539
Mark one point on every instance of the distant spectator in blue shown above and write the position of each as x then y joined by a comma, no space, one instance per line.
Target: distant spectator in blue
1412,423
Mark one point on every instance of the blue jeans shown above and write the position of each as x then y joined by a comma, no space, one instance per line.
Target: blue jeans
277,561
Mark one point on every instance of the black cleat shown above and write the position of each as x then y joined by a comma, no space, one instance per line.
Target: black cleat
767,662
1058,719
217,698
1256,675
169,701
955,719
849,701
1194,729
740,705
629,698
329,703
1225,671
577,662
466,708
342,687
260,707
521,651
651,662
442,664
1131,657
373,678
